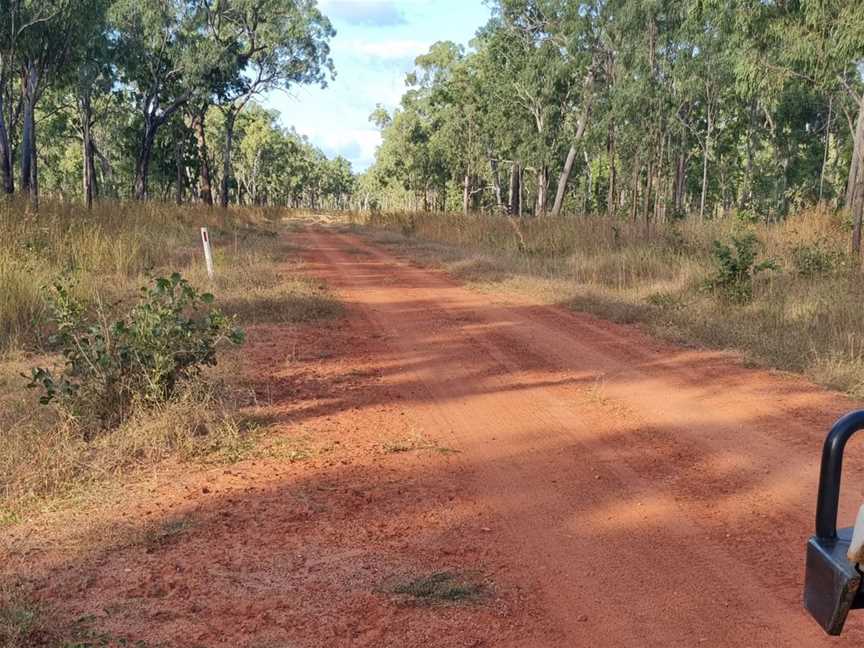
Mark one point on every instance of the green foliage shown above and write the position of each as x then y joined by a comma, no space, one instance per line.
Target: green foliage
165,339
737,265
815,259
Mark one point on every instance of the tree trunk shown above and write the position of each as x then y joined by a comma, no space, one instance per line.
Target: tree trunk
179,177
857,213
784,183
104,165
89,166
29,165
825,151
705,150
496,183
746,197
205,185
649,187
466,193
564,178
855,185
680,178
88,169
610,152
26,150
226,159
6,174
542,188
634,203
515,190
34,169
142,161
857,153
521,191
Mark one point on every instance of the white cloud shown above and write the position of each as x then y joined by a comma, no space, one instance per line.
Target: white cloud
356,144
386,50
372,13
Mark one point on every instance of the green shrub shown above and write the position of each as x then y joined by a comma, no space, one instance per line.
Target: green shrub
165,339
815,260
737,267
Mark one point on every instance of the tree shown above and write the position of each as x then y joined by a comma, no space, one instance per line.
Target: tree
41,35
165,58
271,44
822,43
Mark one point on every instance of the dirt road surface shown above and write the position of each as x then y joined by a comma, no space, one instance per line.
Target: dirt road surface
651,495
605,488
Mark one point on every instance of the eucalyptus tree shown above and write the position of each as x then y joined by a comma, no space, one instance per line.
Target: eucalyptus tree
523,43
821,43
41,35
92,80
9,32
271,44
445,89
164,58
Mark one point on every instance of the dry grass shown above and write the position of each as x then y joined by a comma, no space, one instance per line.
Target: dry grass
441,587
803,317
110,253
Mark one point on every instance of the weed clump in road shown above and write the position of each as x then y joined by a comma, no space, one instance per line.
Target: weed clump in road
439,587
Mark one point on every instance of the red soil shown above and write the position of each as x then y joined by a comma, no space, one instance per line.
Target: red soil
606,488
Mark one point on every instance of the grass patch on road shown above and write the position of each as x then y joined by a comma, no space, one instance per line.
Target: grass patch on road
440,587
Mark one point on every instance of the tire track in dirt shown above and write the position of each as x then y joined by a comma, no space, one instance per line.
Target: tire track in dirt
651,495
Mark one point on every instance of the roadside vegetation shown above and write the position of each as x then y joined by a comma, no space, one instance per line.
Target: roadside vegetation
787,295
110,317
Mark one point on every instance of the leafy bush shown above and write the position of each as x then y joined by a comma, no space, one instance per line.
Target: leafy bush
815,260
165,339
737,267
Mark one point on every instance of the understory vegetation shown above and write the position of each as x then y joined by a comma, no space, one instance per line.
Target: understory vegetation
111,318
787,295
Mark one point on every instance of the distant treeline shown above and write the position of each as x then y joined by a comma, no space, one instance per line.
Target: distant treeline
648,109
157,99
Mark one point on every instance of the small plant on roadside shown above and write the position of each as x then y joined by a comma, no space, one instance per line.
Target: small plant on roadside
666,300
165,339
815,259
737,266
409,225
162,533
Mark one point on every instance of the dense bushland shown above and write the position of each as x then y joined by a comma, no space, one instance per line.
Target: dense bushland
639,109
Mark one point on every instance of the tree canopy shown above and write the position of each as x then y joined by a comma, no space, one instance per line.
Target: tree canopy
648,109
127,95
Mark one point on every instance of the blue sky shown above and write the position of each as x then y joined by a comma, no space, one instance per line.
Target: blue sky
375,45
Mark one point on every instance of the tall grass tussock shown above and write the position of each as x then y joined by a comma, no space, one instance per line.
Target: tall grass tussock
804,314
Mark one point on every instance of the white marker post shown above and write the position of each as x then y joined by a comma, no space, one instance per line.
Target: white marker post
208,253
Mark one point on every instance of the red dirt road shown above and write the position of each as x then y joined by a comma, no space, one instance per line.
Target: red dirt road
650,496
607,489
